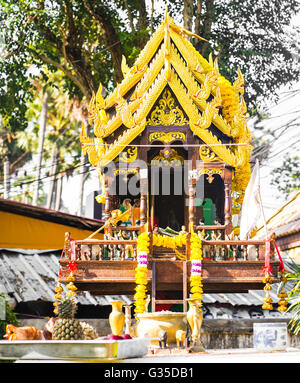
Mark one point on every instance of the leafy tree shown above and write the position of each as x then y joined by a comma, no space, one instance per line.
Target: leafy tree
86,39
61,145
255,35
286,178
10,318
293,296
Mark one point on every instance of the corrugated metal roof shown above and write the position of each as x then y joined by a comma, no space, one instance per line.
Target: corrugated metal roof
29,275
32,275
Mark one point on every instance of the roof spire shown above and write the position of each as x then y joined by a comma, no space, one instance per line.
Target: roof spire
167,47
166,13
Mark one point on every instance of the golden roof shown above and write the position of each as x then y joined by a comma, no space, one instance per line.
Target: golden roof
169,59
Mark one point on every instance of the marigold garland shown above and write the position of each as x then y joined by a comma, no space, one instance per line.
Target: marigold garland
141,272
171,242
196,287
230,103
282,303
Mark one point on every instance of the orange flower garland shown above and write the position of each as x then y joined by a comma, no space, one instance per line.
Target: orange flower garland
196,287
141,272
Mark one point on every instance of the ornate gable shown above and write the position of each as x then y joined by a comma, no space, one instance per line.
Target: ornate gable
169,65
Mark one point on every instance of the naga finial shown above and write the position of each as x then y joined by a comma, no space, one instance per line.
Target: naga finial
239,85
124,67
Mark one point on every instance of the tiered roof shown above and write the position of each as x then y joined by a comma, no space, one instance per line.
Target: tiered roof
169,60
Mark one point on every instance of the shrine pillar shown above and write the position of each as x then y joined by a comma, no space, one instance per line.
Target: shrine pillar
191,205
107,207
227,205
143,195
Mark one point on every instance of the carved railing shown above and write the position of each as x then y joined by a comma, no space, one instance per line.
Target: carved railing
213,232
225,250
125,232
120,249
101,250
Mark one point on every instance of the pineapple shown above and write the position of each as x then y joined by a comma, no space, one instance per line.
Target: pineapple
89,331
66,327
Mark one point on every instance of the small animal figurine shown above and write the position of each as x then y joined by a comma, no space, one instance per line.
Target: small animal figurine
180,337
188,341
162,335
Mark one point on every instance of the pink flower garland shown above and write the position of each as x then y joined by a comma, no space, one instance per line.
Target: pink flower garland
142,259
196,267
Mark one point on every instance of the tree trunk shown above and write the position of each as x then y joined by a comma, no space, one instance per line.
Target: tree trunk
142,22
58,192
83,175
207,23
54,166
6,178
82,172
188,16
198,18
152,15
110,36
43,124
130,17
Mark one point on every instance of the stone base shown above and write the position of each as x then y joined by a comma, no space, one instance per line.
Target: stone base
197,347
173,350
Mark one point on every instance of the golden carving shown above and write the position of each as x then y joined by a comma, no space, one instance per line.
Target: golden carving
166,113
97,114
191,84
167,136
124,67
211,110
126,171
132,77
238,85
240,120
174,160
210,173
167,43
182,31
152,72
209,83
193,114
207,155
129,155
94,150
184,69
138,71
124,112
120,144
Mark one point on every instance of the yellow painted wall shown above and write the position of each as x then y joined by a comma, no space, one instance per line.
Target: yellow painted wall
21,232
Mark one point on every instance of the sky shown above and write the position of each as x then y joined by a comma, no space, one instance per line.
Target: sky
287,142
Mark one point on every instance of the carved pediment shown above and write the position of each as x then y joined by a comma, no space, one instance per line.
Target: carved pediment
167,111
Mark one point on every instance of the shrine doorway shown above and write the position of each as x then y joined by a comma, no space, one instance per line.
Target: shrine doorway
209,201
167,209
167,199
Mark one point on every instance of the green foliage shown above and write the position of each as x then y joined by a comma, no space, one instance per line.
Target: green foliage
256,36
84,41
11,318
286,178
293,297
